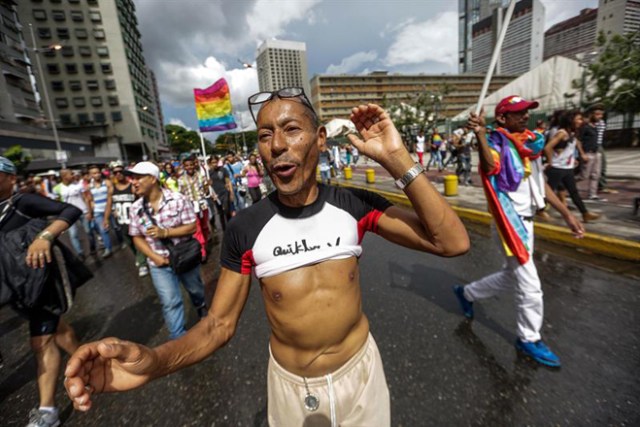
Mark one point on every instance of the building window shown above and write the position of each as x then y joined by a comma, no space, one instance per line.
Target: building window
67,50
48,52
58,15
62,102
75,85
53,69
106,68
39,14
63,33
77,16
92,85
102,51
65,119
96,101
116,116
57,85
84,50
79,101
89,68
71,68
113,100
99,117
81,33
83,119
98,34
92,2
95,16
44,33
110,84
74,1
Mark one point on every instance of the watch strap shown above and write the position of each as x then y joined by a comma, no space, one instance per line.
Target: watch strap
409,176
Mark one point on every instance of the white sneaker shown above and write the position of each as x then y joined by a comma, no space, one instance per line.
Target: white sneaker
38,418
143,271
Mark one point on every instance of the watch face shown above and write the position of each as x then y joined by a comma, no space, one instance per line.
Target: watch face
311,402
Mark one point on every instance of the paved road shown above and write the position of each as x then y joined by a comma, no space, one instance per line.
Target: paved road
441,370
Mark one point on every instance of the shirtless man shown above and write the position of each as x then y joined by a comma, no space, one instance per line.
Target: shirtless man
309,275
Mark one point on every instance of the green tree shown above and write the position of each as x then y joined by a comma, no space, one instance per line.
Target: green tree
232,141
16,154
614,79
182,140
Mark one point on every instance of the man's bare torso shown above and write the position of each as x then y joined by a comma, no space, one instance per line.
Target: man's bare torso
315,314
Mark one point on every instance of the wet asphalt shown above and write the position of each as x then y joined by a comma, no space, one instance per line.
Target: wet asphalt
441,369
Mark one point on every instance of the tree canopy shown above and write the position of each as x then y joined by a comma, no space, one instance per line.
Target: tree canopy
16,154
183,140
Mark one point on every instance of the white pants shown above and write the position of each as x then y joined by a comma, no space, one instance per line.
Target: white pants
526,283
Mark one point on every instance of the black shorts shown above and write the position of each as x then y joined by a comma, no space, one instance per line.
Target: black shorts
42,322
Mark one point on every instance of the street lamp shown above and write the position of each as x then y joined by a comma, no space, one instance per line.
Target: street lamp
61,156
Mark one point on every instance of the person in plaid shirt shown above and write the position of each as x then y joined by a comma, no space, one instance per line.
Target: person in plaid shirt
176,220
195,187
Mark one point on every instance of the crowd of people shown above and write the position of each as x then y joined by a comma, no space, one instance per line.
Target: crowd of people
304,233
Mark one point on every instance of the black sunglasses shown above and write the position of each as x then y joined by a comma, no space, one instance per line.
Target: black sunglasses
284,93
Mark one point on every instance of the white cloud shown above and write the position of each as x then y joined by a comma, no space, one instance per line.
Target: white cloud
268,18
177,121
557,11
431,40
352,63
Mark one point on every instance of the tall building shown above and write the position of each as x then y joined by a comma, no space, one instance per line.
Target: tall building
571,37
282,63
333,96
17,97
469,13
98,80
163,144
522,48
618,17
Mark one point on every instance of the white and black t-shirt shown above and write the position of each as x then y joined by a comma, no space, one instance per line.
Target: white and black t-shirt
274,238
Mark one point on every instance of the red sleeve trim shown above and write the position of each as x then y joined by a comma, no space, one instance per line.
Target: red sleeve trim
369,222
247,262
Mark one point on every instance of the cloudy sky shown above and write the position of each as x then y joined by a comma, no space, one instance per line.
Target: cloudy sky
192,43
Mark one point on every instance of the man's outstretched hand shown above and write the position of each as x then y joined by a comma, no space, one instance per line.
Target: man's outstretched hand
381,140
106,366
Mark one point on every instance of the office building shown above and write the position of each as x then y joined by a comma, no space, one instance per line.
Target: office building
470,12
618,17
333,96
281,64
163,144
571,37
98,81
522,48
17,97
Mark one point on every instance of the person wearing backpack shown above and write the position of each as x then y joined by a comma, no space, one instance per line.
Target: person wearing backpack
49,332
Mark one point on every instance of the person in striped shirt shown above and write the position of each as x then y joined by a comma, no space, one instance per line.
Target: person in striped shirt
102,198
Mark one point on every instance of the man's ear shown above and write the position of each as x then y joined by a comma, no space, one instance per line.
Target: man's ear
500,119
322,137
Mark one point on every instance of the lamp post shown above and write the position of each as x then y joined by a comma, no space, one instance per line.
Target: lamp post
60,155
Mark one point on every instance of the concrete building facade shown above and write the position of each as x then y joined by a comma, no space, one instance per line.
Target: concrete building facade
98,81
282,63
618,17
469,13
523,45
333,96
571,37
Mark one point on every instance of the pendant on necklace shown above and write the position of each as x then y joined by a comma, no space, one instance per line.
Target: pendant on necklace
311,402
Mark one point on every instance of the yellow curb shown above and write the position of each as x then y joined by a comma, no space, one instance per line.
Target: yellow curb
597,243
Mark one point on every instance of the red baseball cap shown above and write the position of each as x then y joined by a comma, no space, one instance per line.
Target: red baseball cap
513,104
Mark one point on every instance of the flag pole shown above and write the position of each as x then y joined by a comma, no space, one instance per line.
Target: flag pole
204,154
496,54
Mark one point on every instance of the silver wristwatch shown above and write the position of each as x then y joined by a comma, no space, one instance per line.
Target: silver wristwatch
409,176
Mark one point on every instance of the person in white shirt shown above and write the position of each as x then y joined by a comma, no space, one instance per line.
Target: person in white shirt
420,146
75,194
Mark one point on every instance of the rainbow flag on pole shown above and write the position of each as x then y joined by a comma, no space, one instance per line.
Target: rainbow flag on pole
213,107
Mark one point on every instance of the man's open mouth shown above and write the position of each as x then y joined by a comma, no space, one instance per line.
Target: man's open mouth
284,169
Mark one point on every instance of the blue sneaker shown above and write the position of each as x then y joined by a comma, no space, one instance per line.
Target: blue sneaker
465,304
539,352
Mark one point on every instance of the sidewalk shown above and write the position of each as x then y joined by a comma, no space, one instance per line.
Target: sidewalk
615,234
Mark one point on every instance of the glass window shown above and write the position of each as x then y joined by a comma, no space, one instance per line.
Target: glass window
99,117
116,116
53,68
47,51
39,14
110,84
67,50
44,33
81,33
98,34
83,118
84,50
58,15
71,68
65,119
113,100
79,101
92,85
92,2
89,68
95,16
74,1
106,68
57,85
96,101
77,16
102,51
75,85
63,33
62,102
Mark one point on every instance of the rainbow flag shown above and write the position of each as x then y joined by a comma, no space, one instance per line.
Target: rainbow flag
213,107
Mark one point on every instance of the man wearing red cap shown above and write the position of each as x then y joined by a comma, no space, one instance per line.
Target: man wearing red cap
514,185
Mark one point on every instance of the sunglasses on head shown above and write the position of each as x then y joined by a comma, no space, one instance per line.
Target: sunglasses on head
284,93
